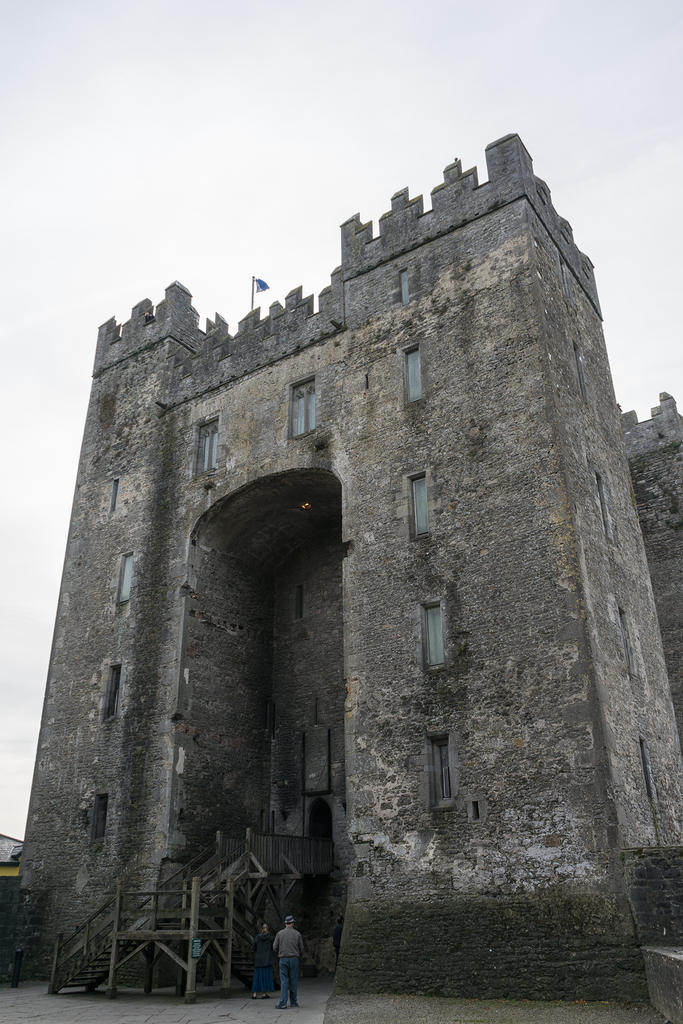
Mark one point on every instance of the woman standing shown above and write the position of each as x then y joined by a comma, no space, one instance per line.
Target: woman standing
263,964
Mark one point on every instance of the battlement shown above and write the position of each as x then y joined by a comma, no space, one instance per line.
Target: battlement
198,358
456,201
665,426
194,356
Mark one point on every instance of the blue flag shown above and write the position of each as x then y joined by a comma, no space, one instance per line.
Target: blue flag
261,286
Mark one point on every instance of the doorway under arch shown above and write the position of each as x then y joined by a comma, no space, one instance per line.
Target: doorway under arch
263,660
320,820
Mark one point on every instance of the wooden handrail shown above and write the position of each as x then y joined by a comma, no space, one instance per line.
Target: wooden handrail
223,863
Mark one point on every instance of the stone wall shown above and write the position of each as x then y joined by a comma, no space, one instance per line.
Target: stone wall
655,455
509,845
654,879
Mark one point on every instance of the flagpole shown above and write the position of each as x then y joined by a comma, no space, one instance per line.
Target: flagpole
252,290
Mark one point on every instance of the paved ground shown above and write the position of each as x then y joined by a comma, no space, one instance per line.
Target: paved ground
432,1010
30,1004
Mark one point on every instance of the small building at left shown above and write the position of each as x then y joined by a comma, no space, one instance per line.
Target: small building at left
10,855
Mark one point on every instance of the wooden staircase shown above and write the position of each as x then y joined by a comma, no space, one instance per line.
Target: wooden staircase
210,906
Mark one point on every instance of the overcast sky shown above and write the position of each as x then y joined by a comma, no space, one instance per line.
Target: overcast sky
152,141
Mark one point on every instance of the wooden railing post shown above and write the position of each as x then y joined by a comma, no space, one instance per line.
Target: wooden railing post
191,986
149,952
55,960
229,925
116,927
180,972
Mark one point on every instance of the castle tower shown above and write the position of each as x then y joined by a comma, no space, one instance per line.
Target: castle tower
655,455
372,571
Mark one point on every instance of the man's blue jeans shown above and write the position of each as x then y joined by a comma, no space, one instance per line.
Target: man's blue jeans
289,978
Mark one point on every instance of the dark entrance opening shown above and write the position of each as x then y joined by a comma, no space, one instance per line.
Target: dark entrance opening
320,820
263,715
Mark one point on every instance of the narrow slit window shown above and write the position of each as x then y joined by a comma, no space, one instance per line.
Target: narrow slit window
602,499
420,511
443,769
474,810
303,407
413,375
626,641
126,577
99,818
433,635
405,293
580,374
299,601
566,281
647,770
114,494
111,699
207,449
270,719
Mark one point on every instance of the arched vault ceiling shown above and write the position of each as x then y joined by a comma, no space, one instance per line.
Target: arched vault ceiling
267,520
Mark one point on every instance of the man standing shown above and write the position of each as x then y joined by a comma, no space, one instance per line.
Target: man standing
288,946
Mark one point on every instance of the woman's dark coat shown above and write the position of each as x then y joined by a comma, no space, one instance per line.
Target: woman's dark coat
263,950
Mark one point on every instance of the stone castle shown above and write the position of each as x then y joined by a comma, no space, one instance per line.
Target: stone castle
374,572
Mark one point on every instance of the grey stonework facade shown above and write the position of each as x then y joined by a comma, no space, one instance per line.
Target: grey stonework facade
655,454
466,705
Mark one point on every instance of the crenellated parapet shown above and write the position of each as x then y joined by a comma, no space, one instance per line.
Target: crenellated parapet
220,357
457,201
664,427
174,318
195,359
198,358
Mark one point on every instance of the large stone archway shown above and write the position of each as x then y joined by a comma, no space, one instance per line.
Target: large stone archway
263,662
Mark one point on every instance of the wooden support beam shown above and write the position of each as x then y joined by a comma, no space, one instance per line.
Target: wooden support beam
191,987
55,959
181,964
116,924
226,966
148,953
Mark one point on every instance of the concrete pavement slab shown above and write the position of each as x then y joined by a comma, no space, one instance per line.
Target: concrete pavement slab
384,1009
30,1003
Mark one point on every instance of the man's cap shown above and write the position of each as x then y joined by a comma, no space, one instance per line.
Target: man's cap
289,919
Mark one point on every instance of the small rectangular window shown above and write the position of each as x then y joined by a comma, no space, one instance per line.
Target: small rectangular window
580,375
299,601
126,577
626,641
99,818
405,294
602,500
303,407
413,374
420,511
647,770
433,635
111,699
114,494
207,448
